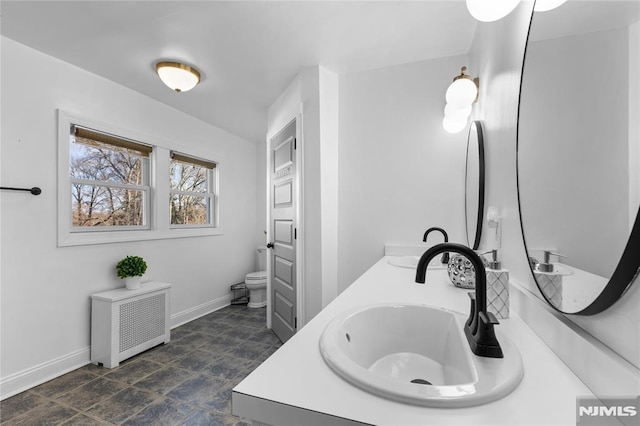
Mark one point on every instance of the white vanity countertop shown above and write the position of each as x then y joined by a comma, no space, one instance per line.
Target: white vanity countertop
295,386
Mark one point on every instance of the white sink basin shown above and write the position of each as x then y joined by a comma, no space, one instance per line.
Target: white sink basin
383,348
411,262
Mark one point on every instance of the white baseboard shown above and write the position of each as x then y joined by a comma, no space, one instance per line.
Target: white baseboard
36,375
605,372
196,312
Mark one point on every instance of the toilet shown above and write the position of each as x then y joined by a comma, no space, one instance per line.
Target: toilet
256,282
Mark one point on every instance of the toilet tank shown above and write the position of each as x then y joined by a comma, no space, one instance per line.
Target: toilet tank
262,258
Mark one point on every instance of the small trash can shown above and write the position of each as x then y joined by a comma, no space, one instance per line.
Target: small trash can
240,294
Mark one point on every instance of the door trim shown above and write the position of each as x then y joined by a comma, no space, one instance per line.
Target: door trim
299,216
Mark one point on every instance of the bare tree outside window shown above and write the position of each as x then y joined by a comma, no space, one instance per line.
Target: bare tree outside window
191,193
110,190
107,184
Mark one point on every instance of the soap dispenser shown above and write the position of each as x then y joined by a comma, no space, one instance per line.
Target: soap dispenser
497,287
549,280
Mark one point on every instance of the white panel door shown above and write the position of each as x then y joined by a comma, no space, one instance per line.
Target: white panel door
283,232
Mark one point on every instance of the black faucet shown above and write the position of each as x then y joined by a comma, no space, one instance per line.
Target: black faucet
445,257
479,326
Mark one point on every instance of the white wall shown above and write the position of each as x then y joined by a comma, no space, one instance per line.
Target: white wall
261,195
45,289
497,53
400,172
329,154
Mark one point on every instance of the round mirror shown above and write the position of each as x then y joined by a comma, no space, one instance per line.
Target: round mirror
474,185
579,153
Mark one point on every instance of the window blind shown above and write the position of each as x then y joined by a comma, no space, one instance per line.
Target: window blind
93,135
192,160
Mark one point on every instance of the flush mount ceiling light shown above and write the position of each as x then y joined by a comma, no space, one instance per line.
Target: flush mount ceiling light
177,76
491,10
460,96
544,5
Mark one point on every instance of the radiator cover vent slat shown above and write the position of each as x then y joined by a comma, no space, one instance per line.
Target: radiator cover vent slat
125,322
141,320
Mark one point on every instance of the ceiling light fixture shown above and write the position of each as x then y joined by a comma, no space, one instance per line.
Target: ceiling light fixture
178,76
460,96
491,10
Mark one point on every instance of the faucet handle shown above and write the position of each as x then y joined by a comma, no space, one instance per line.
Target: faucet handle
480,333
472,310
488,318
486,341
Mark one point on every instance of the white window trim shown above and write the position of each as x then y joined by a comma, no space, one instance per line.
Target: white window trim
158,217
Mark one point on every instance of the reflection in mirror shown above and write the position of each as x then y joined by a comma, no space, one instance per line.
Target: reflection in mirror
474,185
579,153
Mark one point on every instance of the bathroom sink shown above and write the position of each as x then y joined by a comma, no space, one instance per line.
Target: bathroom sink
417,354
411,262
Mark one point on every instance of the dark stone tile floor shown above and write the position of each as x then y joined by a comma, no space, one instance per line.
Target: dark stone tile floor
185,382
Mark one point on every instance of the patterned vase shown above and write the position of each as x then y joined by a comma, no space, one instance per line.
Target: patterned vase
461,271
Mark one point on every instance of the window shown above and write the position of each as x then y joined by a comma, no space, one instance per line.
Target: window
114,184
192,191
109,178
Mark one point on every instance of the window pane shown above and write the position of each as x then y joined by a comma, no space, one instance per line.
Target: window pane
94,160
189,210
93,205
188,177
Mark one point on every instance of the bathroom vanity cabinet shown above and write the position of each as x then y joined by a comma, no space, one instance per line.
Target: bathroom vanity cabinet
295,386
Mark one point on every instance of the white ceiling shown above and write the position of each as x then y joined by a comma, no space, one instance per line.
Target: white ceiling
247,51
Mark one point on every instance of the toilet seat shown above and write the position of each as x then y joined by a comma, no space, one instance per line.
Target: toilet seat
256,283
256,276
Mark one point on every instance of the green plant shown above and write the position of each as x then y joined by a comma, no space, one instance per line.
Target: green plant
131,266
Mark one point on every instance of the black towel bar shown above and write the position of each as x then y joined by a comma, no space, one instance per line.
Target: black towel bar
35,190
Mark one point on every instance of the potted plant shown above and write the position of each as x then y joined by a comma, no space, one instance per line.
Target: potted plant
131,269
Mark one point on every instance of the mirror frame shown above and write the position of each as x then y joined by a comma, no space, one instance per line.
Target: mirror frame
628,268
477,124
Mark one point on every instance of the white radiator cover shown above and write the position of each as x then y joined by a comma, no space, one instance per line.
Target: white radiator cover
127,322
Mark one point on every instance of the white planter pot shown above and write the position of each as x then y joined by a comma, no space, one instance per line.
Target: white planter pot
132,283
